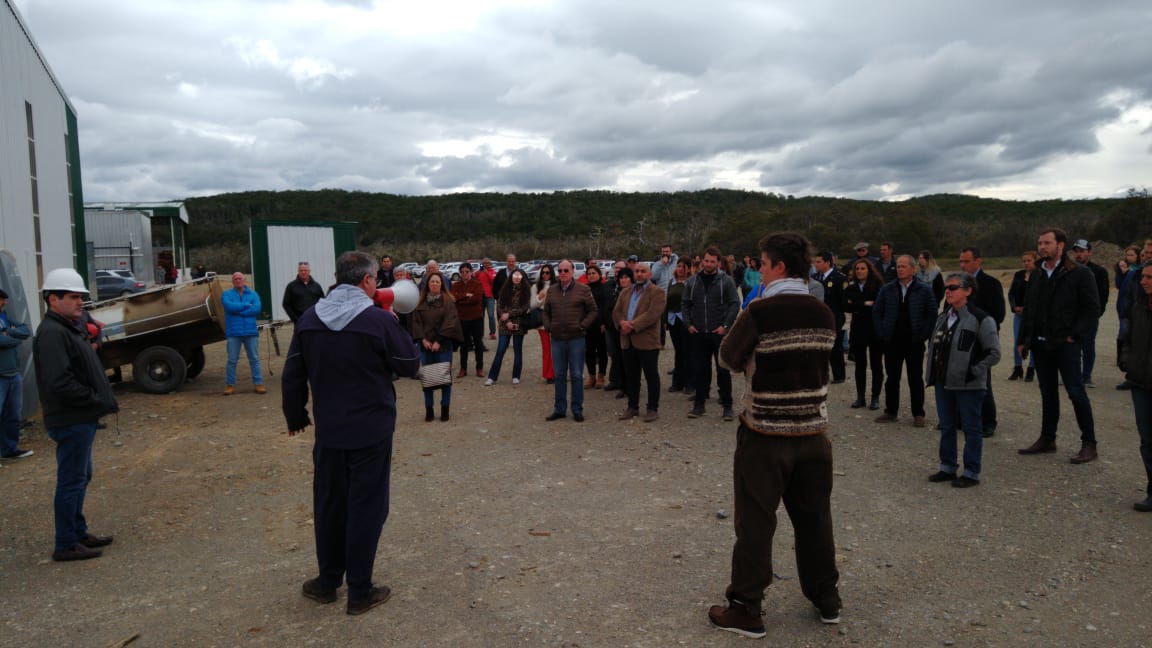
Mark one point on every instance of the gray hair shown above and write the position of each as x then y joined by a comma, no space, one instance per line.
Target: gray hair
966,280
352,266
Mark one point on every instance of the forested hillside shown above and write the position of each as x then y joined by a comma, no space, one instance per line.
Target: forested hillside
609,224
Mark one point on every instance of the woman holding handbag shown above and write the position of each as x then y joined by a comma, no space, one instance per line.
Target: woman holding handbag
539,294
436,327
512,306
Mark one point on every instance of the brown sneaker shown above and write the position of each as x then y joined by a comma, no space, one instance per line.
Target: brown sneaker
1087,453
628,414
260,389
650,415
1041,445
377,596
229,390
736,618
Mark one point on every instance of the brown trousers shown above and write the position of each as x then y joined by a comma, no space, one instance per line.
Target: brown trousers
799,471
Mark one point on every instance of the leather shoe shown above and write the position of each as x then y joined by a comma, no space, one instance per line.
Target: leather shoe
941,476
312,590
1144,506
611,387
376,596
628,414
76,552
621,395
554,416
988,432
1041,445
874,405
463,373
93,542
579,418
918,421
650,415
886,418
1087,453
857,404
837,381
965,482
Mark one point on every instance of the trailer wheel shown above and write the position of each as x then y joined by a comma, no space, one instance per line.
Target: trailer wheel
195,362
159,369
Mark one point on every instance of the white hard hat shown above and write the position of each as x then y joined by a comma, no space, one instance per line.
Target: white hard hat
66,280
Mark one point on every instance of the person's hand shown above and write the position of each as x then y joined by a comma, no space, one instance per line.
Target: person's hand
1017,309
1123,265
692,329
293,433
720,330
1022,351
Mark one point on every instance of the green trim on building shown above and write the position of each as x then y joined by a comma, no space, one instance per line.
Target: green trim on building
79,233
343,240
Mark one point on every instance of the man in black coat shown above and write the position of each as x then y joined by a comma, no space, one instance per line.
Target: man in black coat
503,274
1082,252
834,284
301,293
385,276
988,297
1060,309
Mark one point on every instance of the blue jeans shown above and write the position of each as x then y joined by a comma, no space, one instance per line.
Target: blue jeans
1065,361
1142,404
490,308
1019,362
251,349
1089,352
11,411
517,342
432,357
568,363
73,472
960,409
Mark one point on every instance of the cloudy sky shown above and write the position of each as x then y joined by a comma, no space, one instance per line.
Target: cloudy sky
1024,99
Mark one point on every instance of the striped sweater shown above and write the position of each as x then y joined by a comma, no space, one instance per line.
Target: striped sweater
781,344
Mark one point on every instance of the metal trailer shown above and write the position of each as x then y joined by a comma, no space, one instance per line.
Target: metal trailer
162,332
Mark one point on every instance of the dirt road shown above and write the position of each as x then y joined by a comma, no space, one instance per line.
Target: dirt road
506,530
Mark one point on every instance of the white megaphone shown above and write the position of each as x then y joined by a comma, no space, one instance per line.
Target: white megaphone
401,297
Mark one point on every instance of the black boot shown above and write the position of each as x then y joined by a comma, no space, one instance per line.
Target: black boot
1017,373
1031,375
429,415
875,404
444,412
859,402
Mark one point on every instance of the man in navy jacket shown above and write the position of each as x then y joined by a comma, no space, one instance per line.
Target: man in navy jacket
346,350
903,317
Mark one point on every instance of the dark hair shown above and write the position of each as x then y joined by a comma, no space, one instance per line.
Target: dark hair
352,266
506,290
540,277
427,280
625,272
789,249
973,250
1061,235
3,295
874,278
592,267
712,250
826,256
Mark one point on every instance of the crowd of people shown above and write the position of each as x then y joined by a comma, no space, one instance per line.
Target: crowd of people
902,320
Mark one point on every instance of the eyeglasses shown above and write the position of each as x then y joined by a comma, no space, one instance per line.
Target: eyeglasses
951,287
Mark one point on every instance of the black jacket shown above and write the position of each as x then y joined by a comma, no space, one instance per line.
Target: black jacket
1103,284
834,285
71,380
989,297
299,297
710,308
1063,306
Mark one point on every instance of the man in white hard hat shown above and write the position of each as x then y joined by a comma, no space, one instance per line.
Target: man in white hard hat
74,394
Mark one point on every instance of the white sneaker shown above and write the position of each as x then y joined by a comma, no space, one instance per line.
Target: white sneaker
515,381
489,382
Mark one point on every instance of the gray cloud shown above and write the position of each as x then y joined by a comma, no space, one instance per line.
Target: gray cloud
828,96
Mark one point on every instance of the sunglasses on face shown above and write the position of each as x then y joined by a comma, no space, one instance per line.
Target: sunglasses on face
952,287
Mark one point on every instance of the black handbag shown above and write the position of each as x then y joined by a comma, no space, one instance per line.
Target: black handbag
533,320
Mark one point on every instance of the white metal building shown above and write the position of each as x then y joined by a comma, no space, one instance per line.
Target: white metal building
41,207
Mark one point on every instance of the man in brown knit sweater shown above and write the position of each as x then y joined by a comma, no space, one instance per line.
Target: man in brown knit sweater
781,344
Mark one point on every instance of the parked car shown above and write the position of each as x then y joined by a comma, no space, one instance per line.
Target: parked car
115,286
127,274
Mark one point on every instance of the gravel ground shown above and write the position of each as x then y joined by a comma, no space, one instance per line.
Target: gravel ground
506,530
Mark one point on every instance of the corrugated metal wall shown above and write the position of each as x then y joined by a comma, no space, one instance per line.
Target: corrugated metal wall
111,232
25,78
287,246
